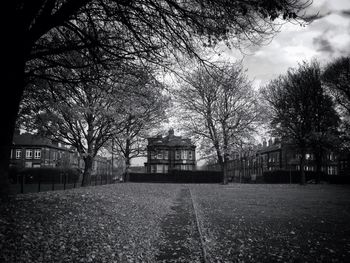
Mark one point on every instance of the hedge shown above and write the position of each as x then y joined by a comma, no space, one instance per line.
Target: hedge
178,177
286,176
44,175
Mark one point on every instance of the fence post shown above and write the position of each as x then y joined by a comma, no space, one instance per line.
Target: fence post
64,181
39,182
22,183
53,182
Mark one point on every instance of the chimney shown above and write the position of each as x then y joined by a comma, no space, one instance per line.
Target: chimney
171,132
264,143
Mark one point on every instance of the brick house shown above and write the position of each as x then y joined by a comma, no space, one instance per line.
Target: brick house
276,155
31,151
170,153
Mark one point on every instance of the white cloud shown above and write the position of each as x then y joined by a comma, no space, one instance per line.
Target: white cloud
325,38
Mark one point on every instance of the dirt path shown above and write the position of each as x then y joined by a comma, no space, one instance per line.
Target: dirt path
181,241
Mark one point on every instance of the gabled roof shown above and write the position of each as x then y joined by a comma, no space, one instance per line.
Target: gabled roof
170,140
27,139
30,139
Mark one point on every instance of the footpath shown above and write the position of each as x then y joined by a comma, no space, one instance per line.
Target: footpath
181,240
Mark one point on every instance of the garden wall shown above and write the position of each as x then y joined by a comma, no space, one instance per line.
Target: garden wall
178,177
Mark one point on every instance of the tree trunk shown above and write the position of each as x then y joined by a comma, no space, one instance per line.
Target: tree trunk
318,161
13,86
225,170
88,161
224,173
127,170
223,167
302,172
127,160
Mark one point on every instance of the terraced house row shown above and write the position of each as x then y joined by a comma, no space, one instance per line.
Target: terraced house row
31,151
276,155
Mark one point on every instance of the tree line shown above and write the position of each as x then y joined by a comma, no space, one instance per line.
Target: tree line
307,107
60,42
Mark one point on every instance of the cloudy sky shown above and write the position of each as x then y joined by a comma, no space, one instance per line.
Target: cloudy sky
325,38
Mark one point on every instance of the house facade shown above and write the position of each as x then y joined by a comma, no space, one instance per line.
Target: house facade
32,151
277,155
170,153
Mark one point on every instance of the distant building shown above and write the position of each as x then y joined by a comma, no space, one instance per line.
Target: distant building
32,151
170,153
277,155
138,169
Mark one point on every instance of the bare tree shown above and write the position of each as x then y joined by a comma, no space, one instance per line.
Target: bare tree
121,30
301,112
142,109
336,77
220,107
81,114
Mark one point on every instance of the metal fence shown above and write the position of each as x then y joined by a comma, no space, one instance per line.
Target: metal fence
26,183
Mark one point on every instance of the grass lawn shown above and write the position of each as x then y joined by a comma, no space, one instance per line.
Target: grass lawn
275,223
125,223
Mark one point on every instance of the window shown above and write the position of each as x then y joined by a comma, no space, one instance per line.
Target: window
183,154
160,155
166,155
190,155
331,157
332,170
177,155
29,154
153,168
309,156
185,167
309,168
166,168
297,156
37,154
18,154
159,168
153,155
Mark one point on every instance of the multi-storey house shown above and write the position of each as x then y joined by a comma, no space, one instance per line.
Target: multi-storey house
170,153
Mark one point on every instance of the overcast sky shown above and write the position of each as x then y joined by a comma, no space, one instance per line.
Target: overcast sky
325,38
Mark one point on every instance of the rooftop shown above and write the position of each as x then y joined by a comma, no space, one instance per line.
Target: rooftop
27,139
170,140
